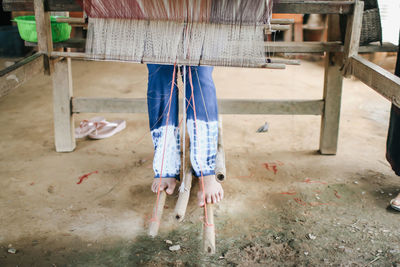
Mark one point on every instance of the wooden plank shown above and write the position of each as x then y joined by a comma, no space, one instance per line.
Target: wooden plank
352,39
63,120
19,73
333,83
283,6
302,47
382,81
43,28
313,7
226,106
373,48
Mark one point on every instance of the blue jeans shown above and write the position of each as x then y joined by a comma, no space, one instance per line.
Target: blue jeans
202,128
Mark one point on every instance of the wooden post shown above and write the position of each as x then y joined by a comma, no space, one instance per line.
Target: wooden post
157,214
183,198
43,29
352,40
332,93
63,119
220,169
209,230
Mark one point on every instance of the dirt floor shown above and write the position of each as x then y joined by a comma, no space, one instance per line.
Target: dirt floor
285,205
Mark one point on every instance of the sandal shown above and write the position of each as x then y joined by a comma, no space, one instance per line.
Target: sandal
87,126
105,129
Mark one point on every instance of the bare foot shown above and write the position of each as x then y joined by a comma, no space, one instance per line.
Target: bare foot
212,189
167,184
396,201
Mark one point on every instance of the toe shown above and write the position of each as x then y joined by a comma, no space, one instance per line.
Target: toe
162,187
170,189
208,199
214,199
200,198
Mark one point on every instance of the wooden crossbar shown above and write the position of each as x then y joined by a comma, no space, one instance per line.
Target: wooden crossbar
225,106
282,6
22,71
271,47
385,83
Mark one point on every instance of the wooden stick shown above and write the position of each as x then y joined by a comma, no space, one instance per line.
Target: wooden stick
278,27
71,20
183,198
157,214
82,21
220,169
282,21
209,230
81,55
285,61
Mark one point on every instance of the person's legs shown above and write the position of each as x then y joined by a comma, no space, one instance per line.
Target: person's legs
163,117
202,125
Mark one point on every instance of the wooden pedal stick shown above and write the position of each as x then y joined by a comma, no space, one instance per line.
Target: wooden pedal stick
183,198
157,214
220,169
209,230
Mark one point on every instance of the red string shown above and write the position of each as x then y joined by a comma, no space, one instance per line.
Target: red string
201,171
165,142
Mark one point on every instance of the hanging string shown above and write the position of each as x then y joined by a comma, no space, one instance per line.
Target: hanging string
165,144
196,133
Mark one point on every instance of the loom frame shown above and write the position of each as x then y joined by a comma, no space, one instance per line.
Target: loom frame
341,60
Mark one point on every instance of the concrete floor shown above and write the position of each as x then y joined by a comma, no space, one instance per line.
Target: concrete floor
265,218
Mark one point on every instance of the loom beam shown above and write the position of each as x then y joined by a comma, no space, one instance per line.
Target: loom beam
282,6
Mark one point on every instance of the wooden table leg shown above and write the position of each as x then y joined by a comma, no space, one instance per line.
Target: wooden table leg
63,118
332,93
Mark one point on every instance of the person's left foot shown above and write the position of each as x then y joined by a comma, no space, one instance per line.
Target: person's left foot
213,191
396,201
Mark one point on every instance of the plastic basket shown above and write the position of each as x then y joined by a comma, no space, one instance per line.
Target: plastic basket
60,31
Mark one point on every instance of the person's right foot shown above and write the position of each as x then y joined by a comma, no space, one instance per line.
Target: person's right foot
213,191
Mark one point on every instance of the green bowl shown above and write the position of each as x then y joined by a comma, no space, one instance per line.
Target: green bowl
60,31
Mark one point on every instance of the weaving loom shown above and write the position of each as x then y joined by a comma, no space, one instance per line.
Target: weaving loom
219,34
